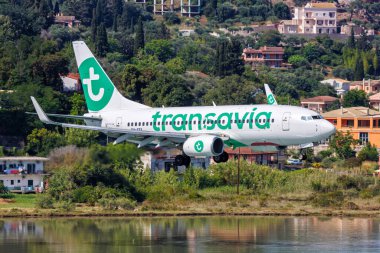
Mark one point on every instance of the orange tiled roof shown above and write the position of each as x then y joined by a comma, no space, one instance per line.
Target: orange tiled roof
73,75
322,5
319,99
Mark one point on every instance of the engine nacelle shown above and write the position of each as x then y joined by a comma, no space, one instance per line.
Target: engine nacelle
203,145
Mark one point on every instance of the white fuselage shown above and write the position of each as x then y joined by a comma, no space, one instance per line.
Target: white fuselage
250,125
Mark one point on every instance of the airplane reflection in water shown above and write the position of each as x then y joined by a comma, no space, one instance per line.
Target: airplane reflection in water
199,234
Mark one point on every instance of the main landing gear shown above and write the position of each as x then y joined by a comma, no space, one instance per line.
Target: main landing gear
222,158
182,160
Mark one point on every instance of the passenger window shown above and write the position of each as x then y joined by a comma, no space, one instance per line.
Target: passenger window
151,123
128,123
272,120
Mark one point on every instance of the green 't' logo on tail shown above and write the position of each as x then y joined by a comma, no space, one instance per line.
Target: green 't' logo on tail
97,87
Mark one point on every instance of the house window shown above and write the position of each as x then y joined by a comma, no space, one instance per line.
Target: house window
31,168
363,137
363,123
12,182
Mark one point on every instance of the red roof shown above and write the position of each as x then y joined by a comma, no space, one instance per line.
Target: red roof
321,99
73,76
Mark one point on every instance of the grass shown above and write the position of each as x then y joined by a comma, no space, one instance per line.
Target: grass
21,201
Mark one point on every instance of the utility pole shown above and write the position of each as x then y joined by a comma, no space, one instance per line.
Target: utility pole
238,175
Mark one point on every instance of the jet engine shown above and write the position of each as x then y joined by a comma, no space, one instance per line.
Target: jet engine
203,145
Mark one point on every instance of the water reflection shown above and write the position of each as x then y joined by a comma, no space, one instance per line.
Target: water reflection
198,234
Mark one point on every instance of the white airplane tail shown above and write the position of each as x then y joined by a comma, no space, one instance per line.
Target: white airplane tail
99,91
270,98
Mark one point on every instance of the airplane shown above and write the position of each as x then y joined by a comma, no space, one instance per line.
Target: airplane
199,131
271,100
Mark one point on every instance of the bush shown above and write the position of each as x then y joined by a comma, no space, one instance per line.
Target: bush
117,203
66,206
87,194
45,201
171,18
329,199
318,186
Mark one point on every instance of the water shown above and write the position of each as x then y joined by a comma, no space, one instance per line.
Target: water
190,234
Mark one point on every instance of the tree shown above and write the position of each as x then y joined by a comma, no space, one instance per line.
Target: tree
375,63
176,66
101,42
167,90
369,153
351,39
162,49
41,141
94,26
355,98
139,37
342,144
312,51
282,11
56,8
78,104
298,60
231,90
269,38
49,67
80,137
358,66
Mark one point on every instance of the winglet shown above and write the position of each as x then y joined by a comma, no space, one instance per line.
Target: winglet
41,114
270,98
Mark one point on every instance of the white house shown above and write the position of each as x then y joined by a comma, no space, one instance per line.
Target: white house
164,160
22,173
340,85
71,82
314,18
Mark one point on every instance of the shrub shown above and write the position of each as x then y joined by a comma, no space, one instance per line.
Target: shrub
66,206
117,203
44,201
318,186
87,194
329,199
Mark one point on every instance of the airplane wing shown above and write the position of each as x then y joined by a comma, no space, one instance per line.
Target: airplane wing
270,97
44,118
68,116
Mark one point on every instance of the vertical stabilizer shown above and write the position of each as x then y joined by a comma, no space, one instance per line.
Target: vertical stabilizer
99,91
270,98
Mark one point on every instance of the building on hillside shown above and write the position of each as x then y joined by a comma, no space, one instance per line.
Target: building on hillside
71,82
22,174
369,86
374,101
67,21
137,1
248,30
340,85
187,8
358,30
314,18
319,104
362,122
186,32
269,56
270,158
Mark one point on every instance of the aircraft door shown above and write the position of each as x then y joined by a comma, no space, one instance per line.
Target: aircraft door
118,121
285,121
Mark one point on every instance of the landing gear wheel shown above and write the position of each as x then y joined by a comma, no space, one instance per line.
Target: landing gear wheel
222,158
179,160
187,161
182,160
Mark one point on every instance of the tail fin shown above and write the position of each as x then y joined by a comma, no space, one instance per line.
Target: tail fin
270,98
99,91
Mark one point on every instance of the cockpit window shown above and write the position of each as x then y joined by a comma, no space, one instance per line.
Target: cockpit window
317,117
303,118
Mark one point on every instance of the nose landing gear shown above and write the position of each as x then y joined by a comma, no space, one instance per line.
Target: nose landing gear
182,160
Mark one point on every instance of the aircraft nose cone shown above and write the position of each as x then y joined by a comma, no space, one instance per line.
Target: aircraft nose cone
328,128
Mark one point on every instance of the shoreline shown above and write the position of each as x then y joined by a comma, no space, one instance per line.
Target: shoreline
51,213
